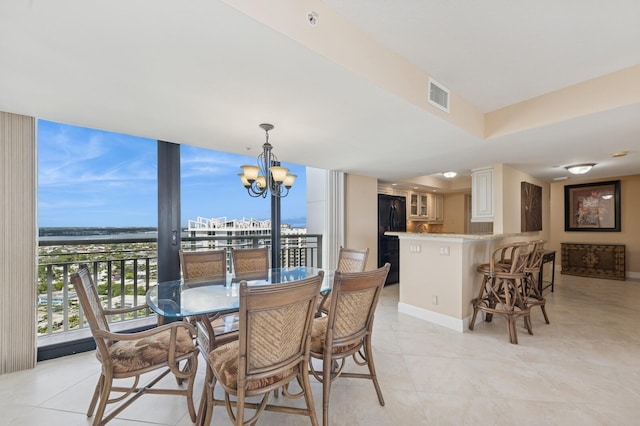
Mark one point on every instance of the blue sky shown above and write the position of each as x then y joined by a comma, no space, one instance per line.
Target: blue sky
89,177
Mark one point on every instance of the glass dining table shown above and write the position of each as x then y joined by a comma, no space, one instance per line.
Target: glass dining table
204,300
179,299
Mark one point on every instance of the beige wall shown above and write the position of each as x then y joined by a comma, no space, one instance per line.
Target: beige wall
630,223
508,201
454,213
361,215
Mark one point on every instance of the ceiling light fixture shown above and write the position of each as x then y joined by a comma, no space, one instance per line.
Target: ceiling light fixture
449,175
268,177
580,169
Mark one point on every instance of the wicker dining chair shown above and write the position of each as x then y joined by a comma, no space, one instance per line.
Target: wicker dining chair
209,267
130,355
502,291
250,263
272,351
352,260
349,260
204,265
346,331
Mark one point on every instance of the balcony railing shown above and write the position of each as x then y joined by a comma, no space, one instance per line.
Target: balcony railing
125,268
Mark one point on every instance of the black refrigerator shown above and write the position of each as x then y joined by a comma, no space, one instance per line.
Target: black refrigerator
392,216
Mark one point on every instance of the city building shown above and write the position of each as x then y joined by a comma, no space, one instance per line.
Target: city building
241,233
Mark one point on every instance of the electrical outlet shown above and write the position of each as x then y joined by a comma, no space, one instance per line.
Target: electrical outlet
444,251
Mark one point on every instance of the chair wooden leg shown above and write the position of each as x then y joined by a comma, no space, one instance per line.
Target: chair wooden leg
372,368
104,398
478,301
527,323
205,410
96,395
544,312
303,378
472,323
240,408
511,326
193,365
326,388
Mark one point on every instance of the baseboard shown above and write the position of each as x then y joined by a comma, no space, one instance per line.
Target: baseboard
633,275
434,317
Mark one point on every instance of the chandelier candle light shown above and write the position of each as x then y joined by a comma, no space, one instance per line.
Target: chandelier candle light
268,177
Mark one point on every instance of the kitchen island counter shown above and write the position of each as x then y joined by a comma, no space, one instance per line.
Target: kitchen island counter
449,236
438,276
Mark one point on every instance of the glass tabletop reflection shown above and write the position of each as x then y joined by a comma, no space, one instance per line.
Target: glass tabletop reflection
180,299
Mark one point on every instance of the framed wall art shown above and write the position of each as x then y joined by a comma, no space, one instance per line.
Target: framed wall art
592,207
530,207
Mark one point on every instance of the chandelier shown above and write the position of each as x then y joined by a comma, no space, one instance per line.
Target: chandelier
268,177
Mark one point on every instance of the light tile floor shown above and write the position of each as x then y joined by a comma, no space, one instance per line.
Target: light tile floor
582,369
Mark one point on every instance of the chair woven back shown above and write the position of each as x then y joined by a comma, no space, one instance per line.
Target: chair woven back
508,288
515,264
91,307
201,265
354,297
521,256
250,260
537,253
352,260
275,325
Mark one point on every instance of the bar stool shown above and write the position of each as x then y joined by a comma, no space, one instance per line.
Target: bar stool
503,288
501,258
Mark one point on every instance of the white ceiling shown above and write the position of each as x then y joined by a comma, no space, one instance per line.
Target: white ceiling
499,52
206,74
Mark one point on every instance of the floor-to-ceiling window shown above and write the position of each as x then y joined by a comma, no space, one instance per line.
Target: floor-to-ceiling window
95,185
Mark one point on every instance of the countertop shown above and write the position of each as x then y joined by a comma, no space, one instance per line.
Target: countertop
439,235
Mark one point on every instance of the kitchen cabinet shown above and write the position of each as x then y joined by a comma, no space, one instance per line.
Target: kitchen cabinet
482,195
435,208
390,190
417,206
426,207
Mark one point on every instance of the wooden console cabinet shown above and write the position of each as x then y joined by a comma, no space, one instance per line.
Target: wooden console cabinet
594,260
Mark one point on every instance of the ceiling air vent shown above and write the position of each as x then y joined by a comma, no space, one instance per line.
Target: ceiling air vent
438,95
